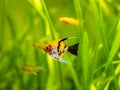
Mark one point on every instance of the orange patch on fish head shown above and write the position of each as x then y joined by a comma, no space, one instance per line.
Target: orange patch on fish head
47,48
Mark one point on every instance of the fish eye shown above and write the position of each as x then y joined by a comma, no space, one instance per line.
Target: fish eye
46,47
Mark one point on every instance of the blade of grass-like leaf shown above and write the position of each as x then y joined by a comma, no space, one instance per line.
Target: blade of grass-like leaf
2,29
111,78
108,83
78,9
102,31
85,60
11,24
96,17
15,50
115,46
52,33
2,21
114,62
79,16
83,40
74,74
114,25
39,9
52,30
99,22
113,51
95,57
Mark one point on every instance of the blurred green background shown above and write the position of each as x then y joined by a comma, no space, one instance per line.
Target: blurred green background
24,22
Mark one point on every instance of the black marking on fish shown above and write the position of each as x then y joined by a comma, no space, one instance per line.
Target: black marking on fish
73,49
65,46
63,39
58,47
59,53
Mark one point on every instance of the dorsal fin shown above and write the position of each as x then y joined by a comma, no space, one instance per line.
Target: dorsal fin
67,38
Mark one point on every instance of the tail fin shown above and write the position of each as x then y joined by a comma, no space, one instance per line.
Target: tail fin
73,49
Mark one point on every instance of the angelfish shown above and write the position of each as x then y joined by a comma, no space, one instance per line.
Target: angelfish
57,49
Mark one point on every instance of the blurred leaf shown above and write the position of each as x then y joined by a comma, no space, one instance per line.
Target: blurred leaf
85,60
115,46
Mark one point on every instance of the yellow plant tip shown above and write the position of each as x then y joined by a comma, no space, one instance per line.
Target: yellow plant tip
100,46
119,54
69,20
92,87
117,70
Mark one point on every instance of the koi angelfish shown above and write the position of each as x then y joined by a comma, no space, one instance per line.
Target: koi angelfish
57,49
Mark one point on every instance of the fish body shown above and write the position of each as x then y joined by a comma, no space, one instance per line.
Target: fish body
58,48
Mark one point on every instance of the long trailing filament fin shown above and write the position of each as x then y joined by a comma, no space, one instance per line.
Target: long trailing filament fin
63,61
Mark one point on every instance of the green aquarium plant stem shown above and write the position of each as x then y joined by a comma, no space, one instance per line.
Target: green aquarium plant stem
85,60
99,22
105,44
3,6
52,30
79,16
84,45
76,80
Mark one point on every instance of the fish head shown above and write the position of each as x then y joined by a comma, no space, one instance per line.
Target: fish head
56,49
52,51
48,48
